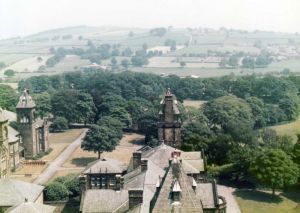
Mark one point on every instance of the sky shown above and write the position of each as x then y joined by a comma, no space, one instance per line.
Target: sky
24,17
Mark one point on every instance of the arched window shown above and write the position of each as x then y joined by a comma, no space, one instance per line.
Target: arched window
24,119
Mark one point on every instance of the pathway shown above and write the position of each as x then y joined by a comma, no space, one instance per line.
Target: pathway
227,192
55,165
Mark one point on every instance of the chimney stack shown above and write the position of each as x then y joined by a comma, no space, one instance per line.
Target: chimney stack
135,197
137,158
144,165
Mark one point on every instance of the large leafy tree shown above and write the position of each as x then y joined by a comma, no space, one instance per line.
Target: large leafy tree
8,97
100,139
233,115
43,102
113,124
196,136
74,105
275,169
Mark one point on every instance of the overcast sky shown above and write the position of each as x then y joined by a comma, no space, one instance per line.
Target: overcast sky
23,17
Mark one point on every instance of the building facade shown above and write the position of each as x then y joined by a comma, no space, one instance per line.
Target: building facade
4,146
169,124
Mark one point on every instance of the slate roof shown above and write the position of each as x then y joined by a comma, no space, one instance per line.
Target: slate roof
11,116
3,118
12,135
106,165
204,192
14,192
25,101
103,200
30,207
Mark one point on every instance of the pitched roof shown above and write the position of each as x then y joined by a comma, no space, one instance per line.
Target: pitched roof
11,116
204,192
14,192
12,134
3,118
106,165
30,207
103,200
25,101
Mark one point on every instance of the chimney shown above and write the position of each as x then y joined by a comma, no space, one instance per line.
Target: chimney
137,158
118,183
144,165
135,197
83,182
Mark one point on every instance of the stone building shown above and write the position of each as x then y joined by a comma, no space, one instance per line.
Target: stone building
33,130
169,121
11,142
4,146
161,179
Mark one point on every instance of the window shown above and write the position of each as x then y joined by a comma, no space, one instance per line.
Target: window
24,119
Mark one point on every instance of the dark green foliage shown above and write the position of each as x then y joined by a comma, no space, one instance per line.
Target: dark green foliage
196,136
59,124
233,115
113,123
43,104
8,98
74,105
275,169
56,191
100,139
71,181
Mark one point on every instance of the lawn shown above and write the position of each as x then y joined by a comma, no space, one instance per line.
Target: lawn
58,142
257,201
123,152
291,129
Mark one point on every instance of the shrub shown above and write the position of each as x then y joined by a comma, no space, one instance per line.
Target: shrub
56,191
59,124
71,182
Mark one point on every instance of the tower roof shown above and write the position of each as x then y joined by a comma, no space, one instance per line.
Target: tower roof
25,100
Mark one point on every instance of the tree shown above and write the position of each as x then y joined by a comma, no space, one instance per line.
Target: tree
248,62
196,136
60,124
43,103
74,105
8,98
275,169
125,63
233,115
9,73
56,191
182,64
100,139
112,123
233,61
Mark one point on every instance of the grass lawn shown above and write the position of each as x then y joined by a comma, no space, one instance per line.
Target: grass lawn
58,142
291,129
257,201
123,152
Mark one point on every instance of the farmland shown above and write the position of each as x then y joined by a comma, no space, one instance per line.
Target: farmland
193,46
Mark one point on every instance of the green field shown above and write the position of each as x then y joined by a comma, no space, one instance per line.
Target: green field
262,202
291,129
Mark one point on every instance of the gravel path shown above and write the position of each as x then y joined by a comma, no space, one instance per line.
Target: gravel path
227,192
55,165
